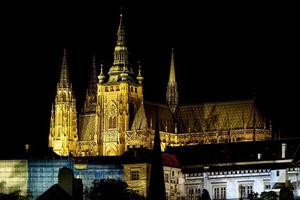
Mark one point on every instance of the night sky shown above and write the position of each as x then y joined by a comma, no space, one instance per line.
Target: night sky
223,52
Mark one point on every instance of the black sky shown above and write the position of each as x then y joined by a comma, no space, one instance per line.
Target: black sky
223,52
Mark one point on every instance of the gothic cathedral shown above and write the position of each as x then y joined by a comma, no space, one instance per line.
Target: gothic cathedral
115,116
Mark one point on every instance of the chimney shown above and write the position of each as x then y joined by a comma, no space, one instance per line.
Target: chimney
283,150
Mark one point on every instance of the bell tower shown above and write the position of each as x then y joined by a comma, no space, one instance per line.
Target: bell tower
118,99
63,135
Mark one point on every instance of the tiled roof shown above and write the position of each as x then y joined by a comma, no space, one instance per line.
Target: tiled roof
87,126
202,117
170,160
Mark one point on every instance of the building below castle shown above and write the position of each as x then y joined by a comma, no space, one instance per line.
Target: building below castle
115,117
226,171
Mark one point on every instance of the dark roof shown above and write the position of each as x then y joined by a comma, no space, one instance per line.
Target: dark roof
234,154
55,192
143,155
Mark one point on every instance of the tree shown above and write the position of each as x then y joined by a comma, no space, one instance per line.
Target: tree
205,195
253,196
108,189
271,195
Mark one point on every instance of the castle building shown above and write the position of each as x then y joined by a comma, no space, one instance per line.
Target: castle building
115,117
63,134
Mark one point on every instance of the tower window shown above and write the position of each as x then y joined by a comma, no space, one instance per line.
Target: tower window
135,89
112,122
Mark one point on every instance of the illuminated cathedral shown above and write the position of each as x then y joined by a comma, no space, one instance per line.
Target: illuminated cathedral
115,117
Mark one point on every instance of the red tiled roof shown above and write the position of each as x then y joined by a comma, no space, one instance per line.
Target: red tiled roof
170,160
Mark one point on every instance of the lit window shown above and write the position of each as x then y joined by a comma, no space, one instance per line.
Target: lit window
267,186
167,178
219,192
245,190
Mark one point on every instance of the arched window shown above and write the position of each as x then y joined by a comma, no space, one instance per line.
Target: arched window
112,117
112,122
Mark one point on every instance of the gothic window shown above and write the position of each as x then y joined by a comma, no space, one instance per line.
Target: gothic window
131,113
112,122
106,89
112,118
111,88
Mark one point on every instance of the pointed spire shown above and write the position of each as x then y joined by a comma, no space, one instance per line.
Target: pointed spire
157,189
52,109
139,77
64,74
101,76
93,74
172,93
172,78
120,54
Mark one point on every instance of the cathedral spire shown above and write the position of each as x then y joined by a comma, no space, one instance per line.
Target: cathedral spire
172,78
64,74
172,93
91,92
93,74
120,54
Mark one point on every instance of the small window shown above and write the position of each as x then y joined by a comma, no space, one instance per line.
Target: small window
135,89
135,175
166,178
277,173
